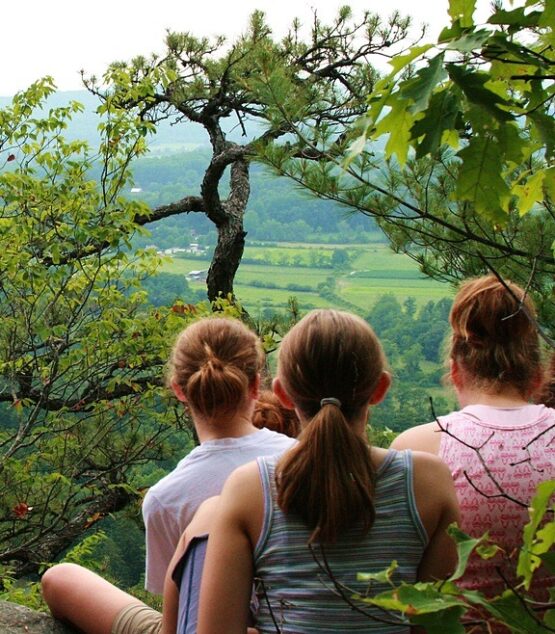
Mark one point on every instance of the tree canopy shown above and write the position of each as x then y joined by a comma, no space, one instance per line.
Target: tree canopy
235,93
82,354
454,154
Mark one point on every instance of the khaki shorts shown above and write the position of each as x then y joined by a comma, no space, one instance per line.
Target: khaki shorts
137,618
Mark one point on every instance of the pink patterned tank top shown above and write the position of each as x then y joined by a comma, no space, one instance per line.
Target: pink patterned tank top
517,446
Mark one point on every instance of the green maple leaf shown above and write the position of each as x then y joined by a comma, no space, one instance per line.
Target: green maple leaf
510,609
479,180
397,124
545,126
441,115
549,183
517,18
530,192
420,87
472,83
462,11
514,147
441,622
536,542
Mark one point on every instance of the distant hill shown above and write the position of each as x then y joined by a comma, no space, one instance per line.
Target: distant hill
168,138
278,209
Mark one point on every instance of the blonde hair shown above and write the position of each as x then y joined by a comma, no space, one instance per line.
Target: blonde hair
328,477
494,338
215,361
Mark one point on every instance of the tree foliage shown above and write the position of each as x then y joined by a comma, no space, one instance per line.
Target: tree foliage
454,156
230,91
82,354
486,91
446,606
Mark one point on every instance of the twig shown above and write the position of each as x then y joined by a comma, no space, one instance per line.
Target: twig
502,493
267,600
522,307
342,591
491,496
521,600
545,431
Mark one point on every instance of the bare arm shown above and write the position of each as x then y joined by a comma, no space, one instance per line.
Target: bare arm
228,570
438,507
171,593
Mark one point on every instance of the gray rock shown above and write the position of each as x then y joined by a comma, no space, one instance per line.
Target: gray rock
15,619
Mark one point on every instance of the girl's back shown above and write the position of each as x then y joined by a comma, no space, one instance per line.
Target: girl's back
296,586
497,457
331,506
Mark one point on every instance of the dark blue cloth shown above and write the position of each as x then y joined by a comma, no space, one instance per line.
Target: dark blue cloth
187,575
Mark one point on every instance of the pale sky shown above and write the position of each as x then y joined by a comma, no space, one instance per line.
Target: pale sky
60,37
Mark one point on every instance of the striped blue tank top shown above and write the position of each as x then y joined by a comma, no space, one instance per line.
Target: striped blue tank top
297,596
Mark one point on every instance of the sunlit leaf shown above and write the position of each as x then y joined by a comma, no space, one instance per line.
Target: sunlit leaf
397,125
465,547
479,181
534,543
529,192
381,577
462,11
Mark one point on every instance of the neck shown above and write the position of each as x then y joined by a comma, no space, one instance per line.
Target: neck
358,424
223,427
474,396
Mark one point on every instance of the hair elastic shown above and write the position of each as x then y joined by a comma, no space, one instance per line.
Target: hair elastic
330,401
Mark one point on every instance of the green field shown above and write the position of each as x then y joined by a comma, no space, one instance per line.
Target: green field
285,271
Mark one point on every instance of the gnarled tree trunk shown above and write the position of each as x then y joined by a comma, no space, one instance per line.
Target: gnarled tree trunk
231,235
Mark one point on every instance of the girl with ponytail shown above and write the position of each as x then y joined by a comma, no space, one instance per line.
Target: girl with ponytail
499,446
214,369
330,502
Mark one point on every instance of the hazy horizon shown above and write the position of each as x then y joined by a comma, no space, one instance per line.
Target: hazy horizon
54,39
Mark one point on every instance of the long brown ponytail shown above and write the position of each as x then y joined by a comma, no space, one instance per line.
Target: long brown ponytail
328,477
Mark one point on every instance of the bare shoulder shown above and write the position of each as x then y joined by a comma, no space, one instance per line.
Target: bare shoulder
429,466
202,520
241,487
434,491
243,475
420,438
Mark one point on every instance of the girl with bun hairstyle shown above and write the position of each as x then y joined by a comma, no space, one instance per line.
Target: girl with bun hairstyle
499,446
214,368
271,414
331,496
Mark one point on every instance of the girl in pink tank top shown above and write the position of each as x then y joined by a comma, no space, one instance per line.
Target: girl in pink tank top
499,447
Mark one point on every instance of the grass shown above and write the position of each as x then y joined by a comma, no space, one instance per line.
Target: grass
374,271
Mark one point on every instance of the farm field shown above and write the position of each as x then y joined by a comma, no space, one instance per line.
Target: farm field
270,275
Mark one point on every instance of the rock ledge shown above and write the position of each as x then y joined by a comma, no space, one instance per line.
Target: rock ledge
16,619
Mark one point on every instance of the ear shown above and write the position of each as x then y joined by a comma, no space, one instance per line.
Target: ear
279,391
177,390
455,373
254,388
381,388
